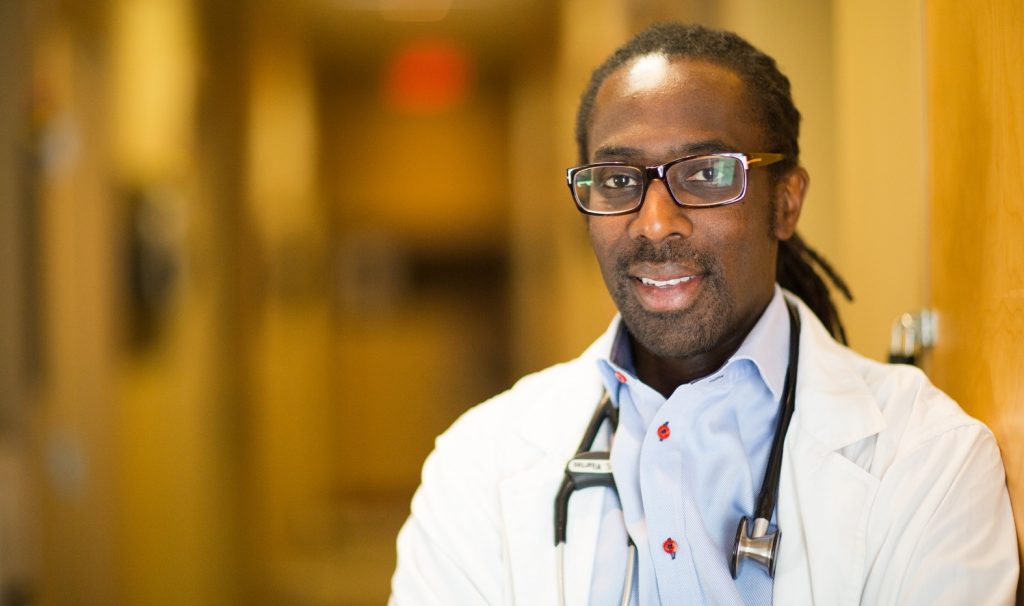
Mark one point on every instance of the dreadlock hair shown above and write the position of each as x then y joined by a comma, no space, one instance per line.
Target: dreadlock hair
798,267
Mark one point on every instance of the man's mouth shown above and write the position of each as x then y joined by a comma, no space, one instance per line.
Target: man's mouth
665,283
666,289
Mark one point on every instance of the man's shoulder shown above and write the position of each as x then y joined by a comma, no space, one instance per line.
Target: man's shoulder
881,453
911,404
541,408
874,412
535,390
913,416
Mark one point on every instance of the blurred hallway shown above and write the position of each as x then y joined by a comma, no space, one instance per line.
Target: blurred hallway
258,254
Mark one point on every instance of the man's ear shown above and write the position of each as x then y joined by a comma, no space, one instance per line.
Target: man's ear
789,200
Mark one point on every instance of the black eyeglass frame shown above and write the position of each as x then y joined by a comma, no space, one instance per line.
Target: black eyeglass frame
749,160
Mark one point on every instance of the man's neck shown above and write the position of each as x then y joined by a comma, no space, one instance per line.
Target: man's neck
666,374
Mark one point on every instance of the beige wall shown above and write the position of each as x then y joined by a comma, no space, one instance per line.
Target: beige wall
799,35
74,460
16,363
881,178
171,518
857,76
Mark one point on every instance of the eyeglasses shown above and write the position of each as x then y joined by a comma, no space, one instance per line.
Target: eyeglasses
616,188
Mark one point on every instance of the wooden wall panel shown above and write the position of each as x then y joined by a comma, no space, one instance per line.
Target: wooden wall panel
975,102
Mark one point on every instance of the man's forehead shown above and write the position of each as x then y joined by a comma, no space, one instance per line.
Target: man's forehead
656,73
648,73
690,103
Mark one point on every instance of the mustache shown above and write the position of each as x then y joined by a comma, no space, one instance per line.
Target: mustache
672,251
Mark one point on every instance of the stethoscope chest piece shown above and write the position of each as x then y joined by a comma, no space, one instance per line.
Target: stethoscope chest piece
758,545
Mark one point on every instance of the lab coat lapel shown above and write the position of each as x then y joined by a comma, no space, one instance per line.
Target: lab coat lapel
549,435
824,497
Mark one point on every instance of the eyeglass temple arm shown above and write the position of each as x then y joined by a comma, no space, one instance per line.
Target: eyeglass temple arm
764,159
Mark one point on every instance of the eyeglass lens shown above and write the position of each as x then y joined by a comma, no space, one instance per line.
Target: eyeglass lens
698,181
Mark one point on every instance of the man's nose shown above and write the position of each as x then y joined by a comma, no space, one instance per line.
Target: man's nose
659,216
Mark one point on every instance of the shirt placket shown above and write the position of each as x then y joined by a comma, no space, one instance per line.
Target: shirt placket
660,466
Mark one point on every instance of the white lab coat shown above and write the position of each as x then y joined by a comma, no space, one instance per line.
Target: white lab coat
889,493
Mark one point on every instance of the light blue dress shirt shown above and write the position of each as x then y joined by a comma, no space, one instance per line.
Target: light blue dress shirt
687,469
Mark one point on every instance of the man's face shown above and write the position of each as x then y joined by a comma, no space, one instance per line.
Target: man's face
687,281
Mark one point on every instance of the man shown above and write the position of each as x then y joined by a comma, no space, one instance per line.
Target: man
887,492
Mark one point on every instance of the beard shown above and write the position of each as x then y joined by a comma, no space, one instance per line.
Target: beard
677,334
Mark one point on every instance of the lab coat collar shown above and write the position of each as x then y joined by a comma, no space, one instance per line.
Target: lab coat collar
825,375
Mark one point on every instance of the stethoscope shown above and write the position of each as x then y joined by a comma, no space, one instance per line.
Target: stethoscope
593,468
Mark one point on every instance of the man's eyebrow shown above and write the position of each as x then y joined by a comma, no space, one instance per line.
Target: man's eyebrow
616,152
708,146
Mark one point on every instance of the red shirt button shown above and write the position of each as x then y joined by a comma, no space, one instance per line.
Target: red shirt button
670,547
621,377
664,432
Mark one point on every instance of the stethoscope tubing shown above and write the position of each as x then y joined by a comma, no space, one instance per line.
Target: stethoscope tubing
605,410
627,588
773,470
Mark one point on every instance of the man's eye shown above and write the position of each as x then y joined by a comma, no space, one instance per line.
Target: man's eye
707,174
619,181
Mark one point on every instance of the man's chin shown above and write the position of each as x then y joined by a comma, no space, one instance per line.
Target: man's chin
674,334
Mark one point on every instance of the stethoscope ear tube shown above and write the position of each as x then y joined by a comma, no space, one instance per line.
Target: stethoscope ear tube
562,510
584,470
605,410
770,485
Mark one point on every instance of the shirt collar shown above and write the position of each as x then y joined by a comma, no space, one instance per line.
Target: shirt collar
766,346
621,354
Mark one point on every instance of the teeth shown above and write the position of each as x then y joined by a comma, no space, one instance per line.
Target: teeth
665,283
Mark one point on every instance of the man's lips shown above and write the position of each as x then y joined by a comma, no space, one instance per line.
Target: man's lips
664,283
664,275
668,287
